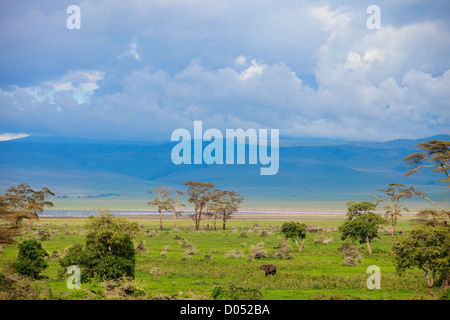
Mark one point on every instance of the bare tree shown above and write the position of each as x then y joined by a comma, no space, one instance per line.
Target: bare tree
394,198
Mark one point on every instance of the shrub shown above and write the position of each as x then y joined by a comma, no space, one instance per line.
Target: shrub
14,287
123,289
265,233
190,251
43,235
54,255
77,255
165,250
140,248
185,244
232,292
323,240
283,254
30,260
349,261
283,244
109,251
243,234
208,256
258,252
349,249
114,267
234,254
350,253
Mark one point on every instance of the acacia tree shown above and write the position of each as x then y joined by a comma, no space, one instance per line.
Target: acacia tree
174,204
361,224
435,154
228,205
394,198
162,201
27,203
199,195
295,231
426,247
213,206
9,217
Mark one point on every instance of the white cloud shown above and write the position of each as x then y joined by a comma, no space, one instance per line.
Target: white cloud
81,83
255,69
306,69
12,136
131,51
152,102
241,61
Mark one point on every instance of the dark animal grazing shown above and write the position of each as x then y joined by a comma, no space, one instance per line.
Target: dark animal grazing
400,233
312,230
269,269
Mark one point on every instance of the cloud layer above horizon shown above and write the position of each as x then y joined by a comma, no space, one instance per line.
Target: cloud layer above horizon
138,70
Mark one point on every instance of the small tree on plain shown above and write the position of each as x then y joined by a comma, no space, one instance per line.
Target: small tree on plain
174,204
109,251
426,247
199,195
361,224
227,204
162,201
296,232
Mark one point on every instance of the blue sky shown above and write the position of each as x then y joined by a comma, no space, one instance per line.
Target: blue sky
140,69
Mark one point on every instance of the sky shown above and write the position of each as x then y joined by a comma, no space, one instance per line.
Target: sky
140,69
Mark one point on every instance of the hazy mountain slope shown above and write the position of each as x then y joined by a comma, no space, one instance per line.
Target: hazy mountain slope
308,171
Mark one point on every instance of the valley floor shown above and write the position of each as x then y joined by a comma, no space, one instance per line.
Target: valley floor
222,263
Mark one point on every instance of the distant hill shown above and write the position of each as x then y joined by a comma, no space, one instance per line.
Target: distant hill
125,171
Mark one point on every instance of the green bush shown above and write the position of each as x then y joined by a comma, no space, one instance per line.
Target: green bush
82,258
30,260
115,267
109,252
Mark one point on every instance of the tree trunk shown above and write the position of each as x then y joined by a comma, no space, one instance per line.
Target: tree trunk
199,219
174,221
160,220
368,246
31,224
224,223
430,282
196,218
300,247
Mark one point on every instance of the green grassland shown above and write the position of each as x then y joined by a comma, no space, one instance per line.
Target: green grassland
166,272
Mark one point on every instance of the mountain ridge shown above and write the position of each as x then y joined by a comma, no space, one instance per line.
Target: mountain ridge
309,172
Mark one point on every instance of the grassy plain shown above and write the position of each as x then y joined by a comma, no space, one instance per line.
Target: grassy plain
166,271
